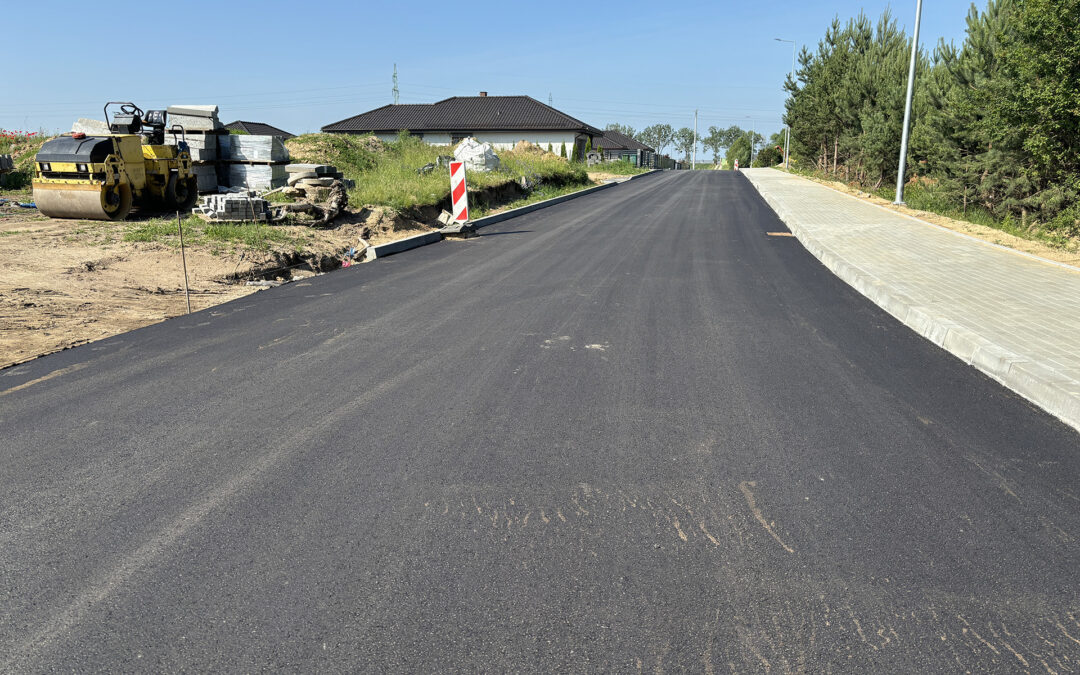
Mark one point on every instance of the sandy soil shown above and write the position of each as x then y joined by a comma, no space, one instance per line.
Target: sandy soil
64,283
600,176
1069,255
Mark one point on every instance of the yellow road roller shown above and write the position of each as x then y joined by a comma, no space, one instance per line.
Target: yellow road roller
101,176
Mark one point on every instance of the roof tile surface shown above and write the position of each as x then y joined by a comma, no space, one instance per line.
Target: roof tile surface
464,113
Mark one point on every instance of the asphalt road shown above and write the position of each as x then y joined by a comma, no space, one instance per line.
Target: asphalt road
632,431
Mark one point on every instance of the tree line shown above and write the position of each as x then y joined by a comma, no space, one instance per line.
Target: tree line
995,120
725,144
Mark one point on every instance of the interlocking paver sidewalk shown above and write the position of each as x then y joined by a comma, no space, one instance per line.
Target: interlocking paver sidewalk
1015,317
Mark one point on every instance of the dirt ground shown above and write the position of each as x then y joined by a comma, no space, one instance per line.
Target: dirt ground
1069,255
65,283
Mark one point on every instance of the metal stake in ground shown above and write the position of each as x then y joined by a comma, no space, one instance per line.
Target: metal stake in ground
183,257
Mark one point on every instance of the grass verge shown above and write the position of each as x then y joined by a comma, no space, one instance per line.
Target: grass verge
621,167
23,147
218,236
386,174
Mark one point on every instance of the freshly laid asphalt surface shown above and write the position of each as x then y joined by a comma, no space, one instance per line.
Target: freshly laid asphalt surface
631,431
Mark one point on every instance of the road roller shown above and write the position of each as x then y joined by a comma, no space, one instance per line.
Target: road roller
101,176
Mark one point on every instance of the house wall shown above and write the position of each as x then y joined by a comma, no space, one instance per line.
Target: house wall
503,140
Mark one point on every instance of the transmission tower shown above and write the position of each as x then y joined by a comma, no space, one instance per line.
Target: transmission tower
395,85
550,101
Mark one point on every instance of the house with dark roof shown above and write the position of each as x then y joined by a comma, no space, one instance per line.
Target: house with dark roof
499,120
259,129
616,146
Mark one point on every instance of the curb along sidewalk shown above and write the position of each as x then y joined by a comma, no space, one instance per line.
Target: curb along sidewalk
1014,316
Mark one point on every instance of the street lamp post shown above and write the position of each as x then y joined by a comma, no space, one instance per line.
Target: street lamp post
753,140
907,106
787,138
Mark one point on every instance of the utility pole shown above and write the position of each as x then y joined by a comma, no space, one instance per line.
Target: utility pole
907,106
787,138
395,85
693,161
753,142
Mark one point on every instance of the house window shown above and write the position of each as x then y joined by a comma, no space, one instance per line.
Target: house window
459,137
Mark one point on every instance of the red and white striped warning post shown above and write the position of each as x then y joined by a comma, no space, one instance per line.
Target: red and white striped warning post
459,194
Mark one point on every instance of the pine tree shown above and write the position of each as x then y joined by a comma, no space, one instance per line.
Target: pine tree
1034,108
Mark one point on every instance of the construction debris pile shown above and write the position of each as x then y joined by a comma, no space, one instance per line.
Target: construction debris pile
313,181
233,207
476,155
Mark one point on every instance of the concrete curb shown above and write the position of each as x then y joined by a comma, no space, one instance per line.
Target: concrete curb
513,213
383,250
1040,383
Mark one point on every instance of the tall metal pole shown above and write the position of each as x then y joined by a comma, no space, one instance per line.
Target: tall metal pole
907,106
693,161
753,141
787,138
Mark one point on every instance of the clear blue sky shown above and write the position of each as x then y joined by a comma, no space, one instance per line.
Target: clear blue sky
300,65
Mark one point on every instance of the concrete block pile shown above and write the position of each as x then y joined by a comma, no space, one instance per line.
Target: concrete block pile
248,148
202,129
253,162
255,176
195,117
233,207
220,159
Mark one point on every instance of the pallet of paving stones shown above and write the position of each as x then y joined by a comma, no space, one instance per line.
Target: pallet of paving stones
252,176
251,148
233,207
207,175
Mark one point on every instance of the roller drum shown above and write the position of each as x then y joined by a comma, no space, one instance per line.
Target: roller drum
83,202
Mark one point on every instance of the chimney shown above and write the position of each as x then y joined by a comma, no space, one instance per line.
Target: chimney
483,93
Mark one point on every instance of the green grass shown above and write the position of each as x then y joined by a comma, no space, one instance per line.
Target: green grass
278,198
386,173
8,233
22,148
621,167
219,236
251,235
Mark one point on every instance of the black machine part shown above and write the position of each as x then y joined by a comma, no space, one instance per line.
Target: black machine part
86,150
156,120
127,121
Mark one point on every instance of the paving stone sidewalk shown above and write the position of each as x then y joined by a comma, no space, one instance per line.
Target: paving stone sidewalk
1015,317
